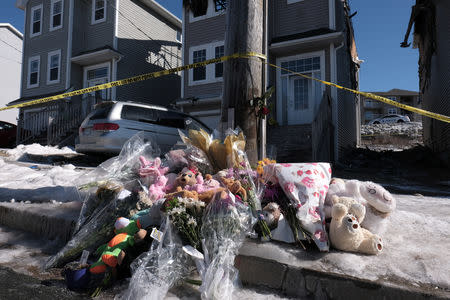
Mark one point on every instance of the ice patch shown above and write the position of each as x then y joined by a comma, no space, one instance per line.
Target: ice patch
36,149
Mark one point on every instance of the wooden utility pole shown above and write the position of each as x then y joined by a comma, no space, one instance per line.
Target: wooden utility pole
243,77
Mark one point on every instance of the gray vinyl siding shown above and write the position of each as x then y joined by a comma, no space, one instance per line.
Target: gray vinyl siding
41,45
201,32
436,133
143,55
286,19
87,36
340,16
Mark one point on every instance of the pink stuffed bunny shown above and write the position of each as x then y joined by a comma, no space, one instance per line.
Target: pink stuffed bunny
151,168
156,190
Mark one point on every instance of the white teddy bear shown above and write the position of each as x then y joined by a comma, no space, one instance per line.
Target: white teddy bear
378,201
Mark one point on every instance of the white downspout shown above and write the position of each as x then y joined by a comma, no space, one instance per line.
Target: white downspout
69,45
333,73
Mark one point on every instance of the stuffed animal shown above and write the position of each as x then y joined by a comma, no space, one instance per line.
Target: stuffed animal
346,233
186,177
206,189
156,190
150,170
235,187
271,214
112,254
183,194
354,207
378,201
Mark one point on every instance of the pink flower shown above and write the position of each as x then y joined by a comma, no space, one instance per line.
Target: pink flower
299,173
320,235
309,182
289,187
314,164
316,172
286,165
314,212
329,170
316,194
326,187
308,172
322,175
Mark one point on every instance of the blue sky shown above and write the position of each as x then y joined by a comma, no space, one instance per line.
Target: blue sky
379,28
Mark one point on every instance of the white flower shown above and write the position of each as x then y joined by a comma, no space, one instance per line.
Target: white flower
200,204
192,221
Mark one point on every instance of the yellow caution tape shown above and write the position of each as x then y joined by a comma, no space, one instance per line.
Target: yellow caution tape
136,79
372,96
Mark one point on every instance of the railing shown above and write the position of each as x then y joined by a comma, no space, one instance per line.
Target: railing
322,131
51,123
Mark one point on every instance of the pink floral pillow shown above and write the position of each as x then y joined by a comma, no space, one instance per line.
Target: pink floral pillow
306,185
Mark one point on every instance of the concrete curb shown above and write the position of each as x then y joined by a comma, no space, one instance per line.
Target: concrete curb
271,265
285,268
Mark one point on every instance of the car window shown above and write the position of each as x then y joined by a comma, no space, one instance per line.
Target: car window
170,119
101,112
137,113
192,123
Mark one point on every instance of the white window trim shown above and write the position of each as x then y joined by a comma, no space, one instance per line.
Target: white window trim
93,21
97,66
210,69
279,103
50,54
38,58
210,12
52,28
31,20
293,1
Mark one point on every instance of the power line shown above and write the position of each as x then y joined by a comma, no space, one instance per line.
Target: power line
10,46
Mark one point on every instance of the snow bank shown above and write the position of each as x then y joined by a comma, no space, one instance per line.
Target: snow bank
412,129
416,245
36,149
38,184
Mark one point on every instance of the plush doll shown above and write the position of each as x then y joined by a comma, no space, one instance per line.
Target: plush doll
185,178
354,207
206,188
235,187
150,170
271,214
378,201
111,254
346,233
156,190
183,194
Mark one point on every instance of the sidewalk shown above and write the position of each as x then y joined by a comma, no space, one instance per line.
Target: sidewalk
413,265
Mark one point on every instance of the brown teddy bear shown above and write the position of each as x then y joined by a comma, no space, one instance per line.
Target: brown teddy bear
235,187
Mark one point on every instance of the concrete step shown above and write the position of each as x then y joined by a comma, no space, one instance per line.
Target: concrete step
281,267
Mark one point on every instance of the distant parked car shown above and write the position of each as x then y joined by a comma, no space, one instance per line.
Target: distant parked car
390,119
111,124
7,135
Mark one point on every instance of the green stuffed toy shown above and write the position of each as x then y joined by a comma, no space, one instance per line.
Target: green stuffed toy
112,254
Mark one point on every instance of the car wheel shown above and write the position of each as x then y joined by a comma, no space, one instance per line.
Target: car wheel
400,121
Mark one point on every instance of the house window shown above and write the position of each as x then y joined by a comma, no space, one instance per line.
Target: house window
199,72
33,71
98,11
392,111
97,73
179,36
53,66
392,98
220,5
36,20
219,51
293,1
56,14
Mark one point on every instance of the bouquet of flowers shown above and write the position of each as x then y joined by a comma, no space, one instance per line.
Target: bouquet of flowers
186,216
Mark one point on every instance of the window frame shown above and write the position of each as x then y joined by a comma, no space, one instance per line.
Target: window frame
217,64
49,55
293,1
33,9
179,36
52,28
31,59
210,69
210,12
93,21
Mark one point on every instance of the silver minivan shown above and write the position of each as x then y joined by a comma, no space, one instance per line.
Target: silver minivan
111,124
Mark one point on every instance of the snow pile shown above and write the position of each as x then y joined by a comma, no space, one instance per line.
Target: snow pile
412,129
415,246
35,184
37,149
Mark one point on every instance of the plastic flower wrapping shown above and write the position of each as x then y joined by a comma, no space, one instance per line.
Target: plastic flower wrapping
197,204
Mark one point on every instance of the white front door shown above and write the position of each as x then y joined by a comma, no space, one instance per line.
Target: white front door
299,105
95,75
